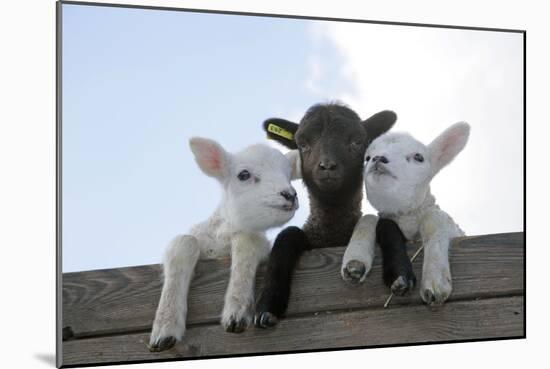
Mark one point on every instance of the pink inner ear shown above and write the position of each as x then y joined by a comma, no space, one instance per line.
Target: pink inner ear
212,158
209,155
446,146
452,143
449,145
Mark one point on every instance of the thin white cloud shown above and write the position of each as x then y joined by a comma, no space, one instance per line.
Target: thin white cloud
432,78
314,76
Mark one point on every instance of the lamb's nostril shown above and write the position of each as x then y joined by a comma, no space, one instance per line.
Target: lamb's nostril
382,159
327,165
289,195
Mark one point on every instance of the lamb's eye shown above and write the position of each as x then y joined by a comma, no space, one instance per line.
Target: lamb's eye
367,158
243,175
419,158
303,147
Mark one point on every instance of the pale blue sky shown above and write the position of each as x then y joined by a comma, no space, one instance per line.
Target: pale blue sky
137,84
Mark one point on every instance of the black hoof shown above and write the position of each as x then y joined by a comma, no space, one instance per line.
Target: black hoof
402,284
164,344
431,299
265,320
429,296
354,271
236,326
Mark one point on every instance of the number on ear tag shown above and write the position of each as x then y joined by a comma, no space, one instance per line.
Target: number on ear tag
280,131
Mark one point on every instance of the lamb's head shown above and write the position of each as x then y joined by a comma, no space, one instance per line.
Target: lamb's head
398,168
257,194
331,140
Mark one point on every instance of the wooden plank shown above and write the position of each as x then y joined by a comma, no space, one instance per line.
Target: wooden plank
462,320
125,299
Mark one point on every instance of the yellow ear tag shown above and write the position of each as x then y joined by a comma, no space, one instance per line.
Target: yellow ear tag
280,131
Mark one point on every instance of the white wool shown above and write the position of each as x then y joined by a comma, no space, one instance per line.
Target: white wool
398,186
237,228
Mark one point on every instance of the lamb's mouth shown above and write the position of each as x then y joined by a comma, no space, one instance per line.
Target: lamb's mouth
285,207
328,181
380,170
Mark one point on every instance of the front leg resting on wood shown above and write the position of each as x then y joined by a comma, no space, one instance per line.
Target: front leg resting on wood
273,300
179,263
359,254
437,229
397,267
247,251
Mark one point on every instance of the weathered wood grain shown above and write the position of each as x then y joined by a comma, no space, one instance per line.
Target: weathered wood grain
461,320
125,299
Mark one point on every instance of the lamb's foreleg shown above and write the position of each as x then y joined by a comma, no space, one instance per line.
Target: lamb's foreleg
359,254
396,266
247,251
272,303
179,263
437,229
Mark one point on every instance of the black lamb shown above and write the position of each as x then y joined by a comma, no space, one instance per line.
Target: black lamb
331,140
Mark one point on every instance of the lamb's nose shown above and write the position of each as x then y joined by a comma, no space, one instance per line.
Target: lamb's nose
289,195
326,164
382,159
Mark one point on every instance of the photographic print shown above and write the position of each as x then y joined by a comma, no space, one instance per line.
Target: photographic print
247,184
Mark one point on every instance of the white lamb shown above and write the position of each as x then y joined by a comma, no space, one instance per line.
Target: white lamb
257,195
398,172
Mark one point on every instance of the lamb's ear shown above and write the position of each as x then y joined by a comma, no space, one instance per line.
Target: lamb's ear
447,145
295,164
378,124
282,131
210,156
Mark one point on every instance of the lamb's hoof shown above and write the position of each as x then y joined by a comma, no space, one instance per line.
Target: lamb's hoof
236,326
433,298
402,285
436,288
163,344
354,272
265,320
428,297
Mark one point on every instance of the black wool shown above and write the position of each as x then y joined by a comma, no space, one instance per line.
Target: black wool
331,140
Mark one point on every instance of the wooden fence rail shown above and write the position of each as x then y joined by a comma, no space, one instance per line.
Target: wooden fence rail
107,314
